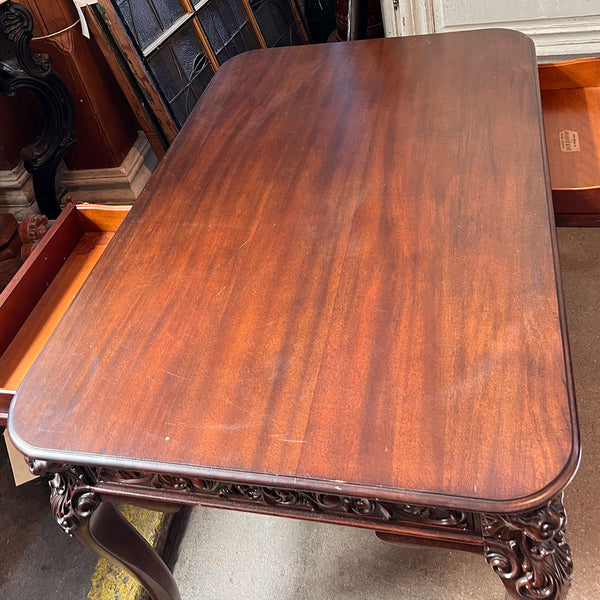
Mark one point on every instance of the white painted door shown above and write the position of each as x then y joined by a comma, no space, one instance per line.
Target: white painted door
561,29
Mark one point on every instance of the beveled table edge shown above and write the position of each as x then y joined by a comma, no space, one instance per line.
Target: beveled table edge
59,460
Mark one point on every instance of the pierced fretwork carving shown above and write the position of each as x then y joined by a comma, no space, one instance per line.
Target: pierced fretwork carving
20,68
76,491
529,551
369,508
75,495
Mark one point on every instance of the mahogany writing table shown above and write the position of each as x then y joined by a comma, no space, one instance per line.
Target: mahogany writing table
337,299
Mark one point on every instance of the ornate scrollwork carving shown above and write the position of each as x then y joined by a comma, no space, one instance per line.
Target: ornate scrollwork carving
439,516
20,68
71,499
17,24
74,496
369,508
529,551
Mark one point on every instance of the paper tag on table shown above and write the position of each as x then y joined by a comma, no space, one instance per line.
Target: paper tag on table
21,472
84,26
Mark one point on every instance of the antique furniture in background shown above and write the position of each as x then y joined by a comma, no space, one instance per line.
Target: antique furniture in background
10,248
21,69
373,336
112,159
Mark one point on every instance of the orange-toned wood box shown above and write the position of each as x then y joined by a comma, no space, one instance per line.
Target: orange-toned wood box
40,293
571,106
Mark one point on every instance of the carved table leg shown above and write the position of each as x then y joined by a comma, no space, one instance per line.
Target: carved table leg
100,526
529,552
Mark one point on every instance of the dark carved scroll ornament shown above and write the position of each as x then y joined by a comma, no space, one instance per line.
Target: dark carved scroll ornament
74,496
20,68
71,500
529,551
333,504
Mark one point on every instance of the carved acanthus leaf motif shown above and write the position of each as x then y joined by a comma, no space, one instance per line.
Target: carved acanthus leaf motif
529,551
70,498
17,25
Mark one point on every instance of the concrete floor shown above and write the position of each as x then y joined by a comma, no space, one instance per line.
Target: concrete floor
37,560
230,555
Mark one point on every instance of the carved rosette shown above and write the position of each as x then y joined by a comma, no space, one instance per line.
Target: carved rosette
529,551
71,500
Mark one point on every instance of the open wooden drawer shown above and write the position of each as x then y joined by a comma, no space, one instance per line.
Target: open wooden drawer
37,297
571,106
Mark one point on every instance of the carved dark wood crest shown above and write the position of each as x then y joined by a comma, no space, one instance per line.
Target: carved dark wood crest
17,25
20,68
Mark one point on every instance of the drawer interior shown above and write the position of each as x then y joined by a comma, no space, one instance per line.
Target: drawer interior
38,296
571,106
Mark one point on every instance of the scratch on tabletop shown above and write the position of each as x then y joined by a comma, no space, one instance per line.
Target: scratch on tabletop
282,439
222,290
237,405
240,247
178,376
234,427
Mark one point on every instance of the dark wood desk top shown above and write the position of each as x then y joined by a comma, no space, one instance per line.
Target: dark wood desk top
342,277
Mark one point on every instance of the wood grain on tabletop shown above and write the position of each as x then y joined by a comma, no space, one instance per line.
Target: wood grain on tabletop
342,272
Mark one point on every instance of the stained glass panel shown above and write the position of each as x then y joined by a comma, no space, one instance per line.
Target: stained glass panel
147,19
182,70
227,28
277,22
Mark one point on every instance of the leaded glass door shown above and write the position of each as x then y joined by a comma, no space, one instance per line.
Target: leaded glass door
185,42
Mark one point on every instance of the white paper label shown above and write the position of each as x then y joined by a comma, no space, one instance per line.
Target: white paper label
85,30
569,141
